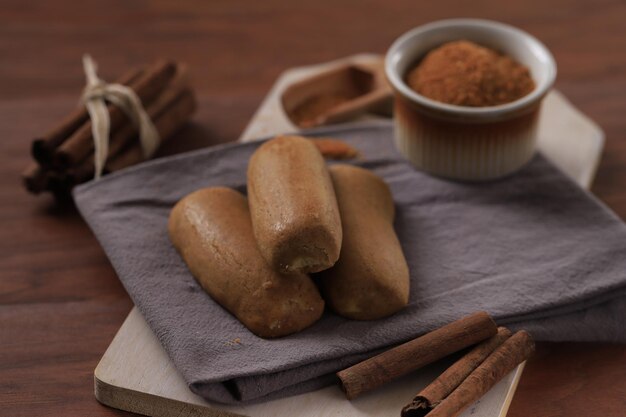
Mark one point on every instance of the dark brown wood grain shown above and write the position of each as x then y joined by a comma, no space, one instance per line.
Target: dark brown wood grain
60,301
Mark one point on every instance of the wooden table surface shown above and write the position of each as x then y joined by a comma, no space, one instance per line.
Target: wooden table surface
61,302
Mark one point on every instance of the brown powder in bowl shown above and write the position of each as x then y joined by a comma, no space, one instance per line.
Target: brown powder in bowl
466,74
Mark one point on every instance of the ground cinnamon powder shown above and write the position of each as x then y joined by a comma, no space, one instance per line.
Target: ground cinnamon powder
466,74
307,113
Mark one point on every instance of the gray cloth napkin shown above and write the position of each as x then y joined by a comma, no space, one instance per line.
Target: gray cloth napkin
534,250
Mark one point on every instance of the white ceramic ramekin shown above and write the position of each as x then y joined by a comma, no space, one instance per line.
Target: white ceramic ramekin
467,143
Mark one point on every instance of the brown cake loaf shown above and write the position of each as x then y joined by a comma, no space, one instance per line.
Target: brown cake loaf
371,278
211,230
293,206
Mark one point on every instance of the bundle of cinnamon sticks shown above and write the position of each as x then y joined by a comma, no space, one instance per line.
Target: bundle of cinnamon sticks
64,156
496,352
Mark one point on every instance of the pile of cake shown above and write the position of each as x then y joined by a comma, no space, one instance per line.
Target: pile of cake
254,255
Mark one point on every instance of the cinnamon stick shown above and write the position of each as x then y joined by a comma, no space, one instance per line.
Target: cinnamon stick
128,133
498,364
416,353
43,147
78,146
452,377
34,178
335,149
168,122
168,117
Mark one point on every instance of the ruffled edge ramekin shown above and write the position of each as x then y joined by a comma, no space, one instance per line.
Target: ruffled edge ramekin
467,143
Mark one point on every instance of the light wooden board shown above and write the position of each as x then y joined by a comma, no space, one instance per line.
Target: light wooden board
135,373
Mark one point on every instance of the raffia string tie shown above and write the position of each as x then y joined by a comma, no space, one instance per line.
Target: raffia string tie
95,95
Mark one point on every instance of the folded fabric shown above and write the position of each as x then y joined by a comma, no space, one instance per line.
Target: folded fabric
534,250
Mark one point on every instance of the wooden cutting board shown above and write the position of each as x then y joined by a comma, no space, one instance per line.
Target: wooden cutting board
135,374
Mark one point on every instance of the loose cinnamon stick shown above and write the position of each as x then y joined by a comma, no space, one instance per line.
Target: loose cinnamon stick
78,146
498,364
43,147
335,149
452,377
416,353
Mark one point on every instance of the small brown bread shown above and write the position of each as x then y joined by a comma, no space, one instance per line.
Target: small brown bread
211,230
371,278
293,206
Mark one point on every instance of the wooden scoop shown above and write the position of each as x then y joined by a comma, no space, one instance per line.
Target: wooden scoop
337,95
